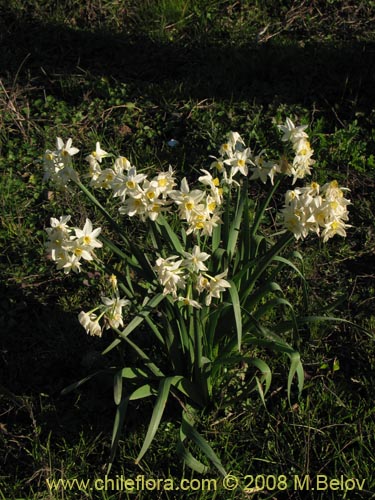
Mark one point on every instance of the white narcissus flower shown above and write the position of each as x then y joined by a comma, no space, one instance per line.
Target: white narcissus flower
186,301
166,182
228,178
57,164
61,224
129,184
201,221
185,199
226,149
65,151
291,132
334,227
68,245
88,236
240,162
194,261
114,310
134,206
170,274
121,164
90,323
98,154
216,285
214,184
218,164
68,262
313,208
235,139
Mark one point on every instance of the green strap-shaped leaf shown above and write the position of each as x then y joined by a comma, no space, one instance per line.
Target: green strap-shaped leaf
147,308
147,361
145,391
260,212
188,388
258,363
169,235
116,431
237,312
295,368
133,373
77,384
188,458
290,264
190,432
117,387
112,345
271,304
235,226
163,393
216,237
259,293
305,320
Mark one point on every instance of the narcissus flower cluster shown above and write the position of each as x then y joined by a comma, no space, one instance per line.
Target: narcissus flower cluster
322,210
68,246
58,163
110,311
185,277
188,276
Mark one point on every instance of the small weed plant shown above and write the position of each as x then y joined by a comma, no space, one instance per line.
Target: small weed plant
203,280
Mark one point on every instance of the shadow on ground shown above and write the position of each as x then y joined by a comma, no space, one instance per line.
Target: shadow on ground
314,74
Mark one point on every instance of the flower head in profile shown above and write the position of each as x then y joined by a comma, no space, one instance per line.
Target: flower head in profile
291,132
216,285
97,154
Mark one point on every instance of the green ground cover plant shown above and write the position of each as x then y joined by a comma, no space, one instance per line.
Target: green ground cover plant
212,67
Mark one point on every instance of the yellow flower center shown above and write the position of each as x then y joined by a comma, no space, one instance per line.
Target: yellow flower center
130,184
216,182
162,182
189,205
87,240
334,205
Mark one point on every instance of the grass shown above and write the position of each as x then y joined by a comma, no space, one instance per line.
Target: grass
134,75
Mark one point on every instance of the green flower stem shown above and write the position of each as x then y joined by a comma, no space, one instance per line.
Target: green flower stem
97,203
265,261
153,368
264,206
